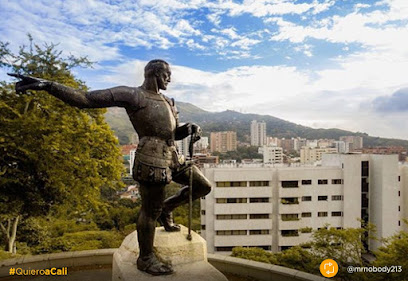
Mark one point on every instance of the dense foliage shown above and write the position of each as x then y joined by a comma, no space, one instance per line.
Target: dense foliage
51,155
345,246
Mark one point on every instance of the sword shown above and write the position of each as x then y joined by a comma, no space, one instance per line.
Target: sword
190,186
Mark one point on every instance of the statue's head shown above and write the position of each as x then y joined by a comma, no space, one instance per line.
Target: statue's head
159,70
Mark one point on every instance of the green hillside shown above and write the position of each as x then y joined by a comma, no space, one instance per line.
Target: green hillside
240,122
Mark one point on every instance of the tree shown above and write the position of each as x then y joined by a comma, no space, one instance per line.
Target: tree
345,246
394,255
51,154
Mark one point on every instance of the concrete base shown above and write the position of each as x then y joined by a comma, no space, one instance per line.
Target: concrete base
188,258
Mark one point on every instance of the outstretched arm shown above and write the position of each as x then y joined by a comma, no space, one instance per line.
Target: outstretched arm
119,96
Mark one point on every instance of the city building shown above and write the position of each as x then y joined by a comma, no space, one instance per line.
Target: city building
309,155
325,143
132,193
183,146
271,154
275,208
200,159
132,155
356,142
287,144
258,133
298,143
223,141
400,150
128,152
201,146
341,146
403,194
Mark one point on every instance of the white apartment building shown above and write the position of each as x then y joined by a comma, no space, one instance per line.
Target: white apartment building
258,133
341,146
132,155
276,208
183,146
271,154
355,142
309,155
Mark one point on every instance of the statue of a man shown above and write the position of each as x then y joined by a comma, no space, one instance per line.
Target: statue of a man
154,117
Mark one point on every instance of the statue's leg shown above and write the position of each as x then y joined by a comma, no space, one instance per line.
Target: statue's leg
152,201
201,187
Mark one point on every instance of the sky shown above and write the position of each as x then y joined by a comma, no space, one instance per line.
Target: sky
321,63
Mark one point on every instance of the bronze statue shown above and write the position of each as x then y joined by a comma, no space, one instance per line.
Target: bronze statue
154,117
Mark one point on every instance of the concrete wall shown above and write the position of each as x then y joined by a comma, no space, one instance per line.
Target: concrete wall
240,267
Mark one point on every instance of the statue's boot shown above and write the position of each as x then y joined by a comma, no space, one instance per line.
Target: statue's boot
153,266
166,217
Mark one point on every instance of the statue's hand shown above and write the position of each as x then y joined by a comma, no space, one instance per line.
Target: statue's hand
196,131
29,83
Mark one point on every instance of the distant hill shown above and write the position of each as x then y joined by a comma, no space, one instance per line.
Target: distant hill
234,121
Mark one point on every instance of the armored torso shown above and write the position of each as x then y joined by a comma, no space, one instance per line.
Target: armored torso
155,120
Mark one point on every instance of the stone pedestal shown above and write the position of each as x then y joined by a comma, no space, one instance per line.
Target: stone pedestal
188,258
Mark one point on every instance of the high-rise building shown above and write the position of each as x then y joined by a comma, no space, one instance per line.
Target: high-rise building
355,141
277,207
309,155
223,141
258,133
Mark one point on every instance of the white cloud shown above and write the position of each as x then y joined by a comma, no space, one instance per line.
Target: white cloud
262,8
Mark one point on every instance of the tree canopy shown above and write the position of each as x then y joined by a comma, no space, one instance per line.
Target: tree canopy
51,154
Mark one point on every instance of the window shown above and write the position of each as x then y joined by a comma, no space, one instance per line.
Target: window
203,212
337,181
307,198
290,200
203,227
232,217
289,233
290,184
306,215
364,185
306,182
322,214
259,232
364,169
259,200
231,200
322,181
223,249
231,184
399,178
337,197
337,214
203,198
290,217
322,198
231,232
259,216
259,183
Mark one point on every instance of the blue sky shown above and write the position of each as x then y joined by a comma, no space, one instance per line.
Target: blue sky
320,63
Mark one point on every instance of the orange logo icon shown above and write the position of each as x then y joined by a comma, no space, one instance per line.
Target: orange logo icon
329,268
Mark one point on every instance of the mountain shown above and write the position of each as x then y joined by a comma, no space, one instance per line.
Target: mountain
234,121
